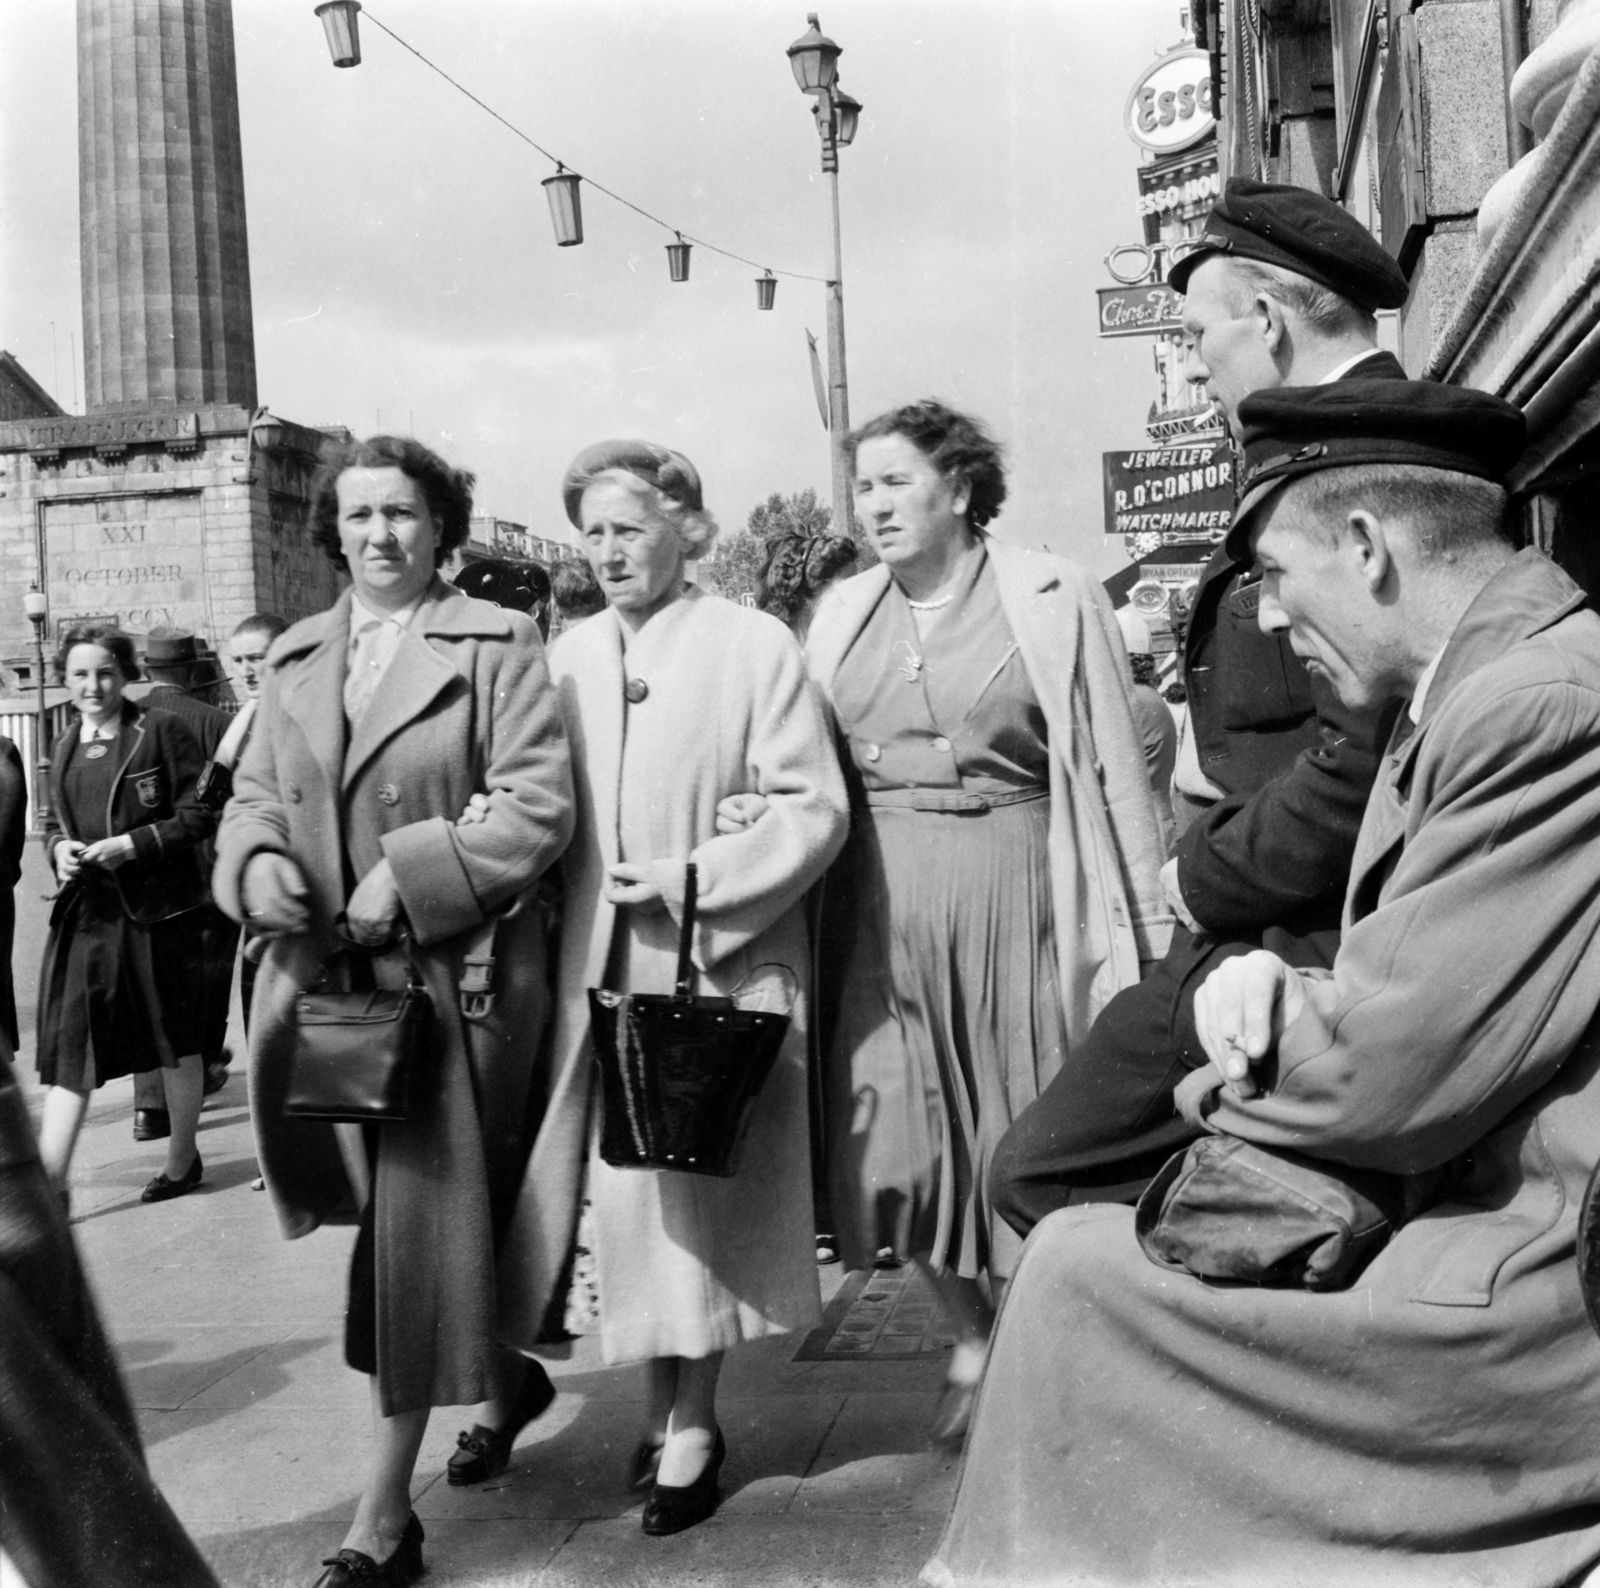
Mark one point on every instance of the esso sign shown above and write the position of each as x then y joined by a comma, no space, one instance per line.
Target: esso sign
1170,106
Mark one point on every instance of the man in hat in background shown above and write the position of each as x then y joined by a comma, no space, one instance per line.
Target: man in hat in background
1272,772
1439,1423
180,672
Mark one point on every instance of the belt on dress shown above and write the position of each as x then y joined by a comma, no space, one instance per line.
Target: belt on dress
933,799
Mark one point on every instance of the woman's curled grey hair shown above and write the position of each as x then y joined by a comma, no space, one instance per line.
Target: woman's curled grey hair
671,481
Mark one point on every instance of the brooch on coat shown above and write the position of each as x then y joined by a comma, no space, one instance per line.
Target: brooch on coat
912,665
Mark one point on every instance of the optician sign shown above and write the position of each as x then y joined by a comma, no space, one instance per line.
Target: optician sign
1149,310
1179,491
1170,106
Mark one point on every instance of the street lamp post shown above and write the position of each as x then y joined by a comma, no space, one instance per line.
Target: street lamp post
815,59
37,604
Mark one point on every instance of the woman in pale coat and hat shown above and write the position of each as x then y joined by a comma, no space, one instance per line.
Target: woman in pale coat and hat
380,719
676,700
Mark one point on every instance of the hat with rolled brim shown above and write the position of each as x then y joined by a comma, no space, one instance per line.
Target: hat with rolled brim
669,471
1294,431
1299,230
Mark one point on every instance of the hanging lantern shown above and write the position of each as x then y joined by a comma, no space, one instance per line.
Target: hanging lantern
846,117
766,290
678,259
566,211
339,23
814,57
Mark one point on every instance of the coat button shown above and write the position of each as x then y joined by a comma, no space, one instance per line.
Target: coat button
388,794
635,691
942,745
870,752
293,792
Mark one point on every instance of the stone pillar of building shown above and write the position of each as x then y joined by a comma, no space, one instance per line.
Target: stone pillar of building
166,265
1463,155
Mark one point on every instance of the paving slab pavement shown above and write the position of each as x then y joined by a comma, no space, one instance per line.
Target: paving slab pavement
232,1343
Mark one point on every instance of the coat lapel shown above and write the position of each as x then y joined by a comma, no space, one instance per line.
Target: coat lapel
65,815
130,741
313,692
840,618
601,703
419,673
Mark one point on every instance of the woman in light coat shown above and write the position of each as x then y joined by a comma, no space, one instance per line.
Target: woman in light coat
675,701
1001,879
379,721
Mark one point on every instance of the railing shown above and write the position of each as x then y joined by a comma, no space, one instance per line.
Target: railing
19,723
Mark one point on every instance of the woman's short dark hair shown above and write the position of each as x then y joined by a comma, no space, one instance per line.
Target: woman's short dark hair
109,638
267,624
447,491
575,590
959,445
798,568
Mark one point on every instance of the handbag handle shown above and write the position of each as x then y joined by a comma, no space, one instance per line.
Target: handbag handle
685,986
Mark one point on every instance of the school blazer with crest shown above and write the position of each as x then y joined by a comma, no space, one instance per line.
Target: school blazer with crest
151,801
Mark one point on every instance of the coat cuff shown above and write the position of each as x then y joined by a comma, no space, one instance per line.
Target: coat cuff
433,884
1152,935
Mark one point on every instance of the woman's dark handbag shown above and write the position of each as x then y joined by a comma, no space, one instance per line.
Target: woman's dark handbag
679,1074
356,1050
1224,1208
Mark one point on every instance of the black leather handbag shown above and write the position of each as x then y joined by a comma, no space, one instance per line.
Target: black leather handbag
356,1049
679,1074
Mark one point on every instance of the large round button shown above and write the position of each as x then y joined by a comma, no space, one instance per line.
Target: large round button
870,752
388,794
635,690
941,744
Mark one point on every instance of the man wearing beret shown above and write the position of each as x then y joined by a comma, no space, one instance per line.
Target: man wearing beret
1438,1423
1273,772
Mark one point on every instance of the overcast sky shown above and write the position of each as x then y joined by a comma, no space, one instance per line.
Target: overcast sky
405,273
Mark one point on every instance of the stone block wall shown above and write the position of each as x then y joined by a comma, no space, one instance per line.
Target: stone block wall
194,531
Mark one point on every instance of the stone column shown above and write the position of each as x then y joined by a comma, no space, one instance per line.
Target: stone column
166,268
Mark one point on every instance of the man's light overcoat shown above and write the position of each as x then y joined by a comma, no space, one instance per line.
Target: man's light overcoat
1438,1424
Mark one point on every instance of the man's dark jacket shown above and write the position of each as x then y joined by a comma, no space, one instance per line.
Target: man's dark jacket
1272,857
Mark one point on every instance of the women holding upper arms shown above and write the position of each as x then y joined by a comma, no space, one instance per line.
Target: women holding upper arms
1000,883
379,721
676,700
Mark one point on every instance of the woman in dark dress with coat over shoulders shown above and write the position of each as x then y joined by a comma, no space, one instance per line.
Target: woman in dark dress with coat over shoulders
123,835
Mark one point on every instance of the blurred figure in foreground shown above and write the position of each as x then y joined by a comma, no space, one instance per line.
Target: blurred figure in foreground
77,1504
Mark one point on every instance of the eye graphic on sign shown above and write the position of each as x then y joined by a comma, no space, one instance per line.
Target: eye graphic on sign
1170,106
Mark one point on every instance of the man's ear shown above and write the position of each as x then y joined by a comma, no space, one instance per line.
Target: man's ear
1272,324
1366,543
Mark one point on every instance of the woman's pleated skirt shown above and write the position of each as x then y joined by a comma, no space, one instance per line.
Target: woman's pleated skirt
942,934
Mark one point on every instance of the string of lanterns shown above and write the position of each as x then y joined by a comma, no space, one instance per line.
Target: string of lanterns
813,56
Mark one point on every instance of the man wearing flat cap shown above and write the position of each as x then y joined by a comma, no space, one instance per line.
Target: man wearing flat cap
1273,772
1438,1422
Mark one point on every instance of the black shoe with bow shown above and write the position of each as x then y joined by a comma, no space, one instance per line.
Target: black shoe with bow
672,1508
485,1452
350,1568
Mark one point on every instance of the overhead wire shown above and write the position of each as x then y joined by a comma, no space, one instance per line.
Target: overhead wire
561,165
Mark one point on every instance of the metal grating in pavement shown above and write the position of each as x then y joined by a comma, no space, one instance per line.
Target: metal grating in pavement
887,1313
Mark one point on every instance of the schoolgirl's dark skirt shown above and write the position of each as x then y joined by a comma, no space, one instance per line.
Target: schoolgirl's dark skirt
116,997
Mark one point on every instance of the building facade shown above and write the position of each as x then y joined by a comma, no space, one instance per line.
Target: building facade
1466,135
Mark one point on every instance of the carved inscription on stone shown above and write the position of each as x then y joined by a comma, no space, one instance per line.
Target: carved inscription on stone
139,557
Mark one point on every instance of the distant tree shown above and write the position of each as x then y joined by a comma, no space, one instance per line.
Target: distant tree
741,556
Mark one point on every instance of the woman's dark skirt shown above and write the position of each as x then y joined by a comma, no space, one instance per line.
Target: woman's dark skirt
116,997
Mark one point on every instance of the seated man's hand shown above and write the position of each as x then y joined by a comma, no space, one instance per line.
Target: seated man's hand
1241,1010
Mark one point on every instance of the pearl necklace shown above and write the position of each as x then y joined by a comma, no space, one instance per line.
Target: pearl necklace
933,605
